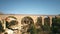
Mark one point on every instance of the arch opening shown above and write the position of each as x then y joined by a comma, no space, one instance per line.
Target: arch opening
47,21
11,22
27,24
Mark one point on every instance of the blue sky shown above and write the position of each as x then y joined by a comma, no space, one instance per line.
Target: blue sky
49,7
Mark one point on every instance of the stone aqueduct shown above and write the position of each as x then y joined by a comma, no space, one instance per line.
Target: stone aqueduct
34,17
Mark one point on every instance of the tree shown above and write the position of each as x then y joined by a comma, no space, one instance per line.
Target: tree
33,29
56,25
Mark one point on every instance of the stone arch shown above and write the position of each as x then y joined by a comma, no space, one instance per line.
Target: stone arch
39,21
47,21
26,22
11,21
